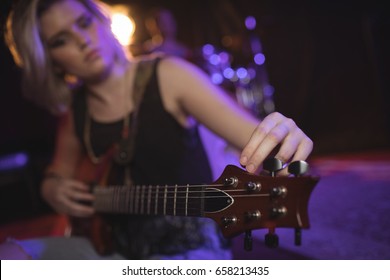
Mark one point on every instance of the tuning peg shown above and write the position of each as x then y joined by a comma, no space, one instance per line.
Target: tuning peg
298,237
298,168
271,239
272,165
248,241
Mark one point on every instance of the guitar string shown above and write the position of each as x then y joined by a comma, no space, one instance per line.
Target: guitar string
117,197
119,204
222,196
164,190
165,186
169,188
171,194
145,197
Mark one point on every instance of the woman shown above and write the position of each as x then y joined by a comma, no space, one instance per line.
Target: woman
74,67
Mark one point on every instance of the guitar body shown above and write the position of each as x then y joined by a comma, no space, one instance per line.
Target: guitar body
96,228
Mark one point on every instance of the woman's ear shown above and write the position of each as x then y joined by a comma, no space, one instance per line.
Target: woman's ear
68,78
71,80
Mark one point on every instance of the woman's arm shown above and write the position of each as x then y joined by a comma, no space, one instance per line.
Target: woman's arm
188,91
59,188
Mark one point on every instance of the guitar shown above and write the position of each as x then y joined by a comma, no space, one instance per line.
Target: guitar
237,201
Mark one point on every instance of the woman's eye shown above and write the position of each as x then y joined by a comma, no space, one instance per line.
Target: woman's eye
85,21
58,42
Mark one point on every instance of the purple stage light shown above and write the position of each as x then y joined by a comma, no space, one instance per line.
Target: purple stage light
217,78
224,57
259,59
228,73
214,59
250,23
208,49
242,73
268,91
13,161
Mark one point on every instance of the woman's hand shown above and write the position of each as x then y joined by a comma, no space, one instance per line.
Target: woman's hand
68,196
275,130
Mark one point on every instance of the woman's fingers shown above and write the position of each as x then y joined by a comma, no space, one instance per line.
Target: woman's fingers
304,149
72,197
79,191
251,154
275,130
77,209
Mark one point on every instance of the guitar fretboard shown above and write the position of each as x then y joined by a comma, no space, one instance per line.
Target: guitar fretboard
151,200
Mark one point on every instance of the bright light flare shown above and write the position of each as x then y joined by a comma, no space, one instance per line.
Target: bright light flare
123,28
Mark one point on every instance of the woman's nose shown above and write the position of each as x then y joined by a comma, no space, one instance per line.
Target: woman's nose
82,39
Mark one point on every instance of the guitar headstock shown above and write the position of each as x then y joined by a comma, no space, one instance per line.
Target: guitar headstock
248,201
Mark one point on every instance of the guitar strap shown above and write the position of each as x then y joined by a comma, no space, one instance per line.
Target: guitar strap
143,73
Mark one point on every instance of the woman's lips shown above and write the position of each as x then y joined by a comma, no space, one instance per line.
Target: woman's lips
92,55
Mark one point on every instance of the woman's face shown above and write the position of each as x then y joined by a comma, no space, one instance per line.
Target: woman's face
77,41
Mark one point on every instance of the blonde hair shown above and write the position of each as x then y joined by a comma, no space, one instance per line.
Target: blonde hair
40,82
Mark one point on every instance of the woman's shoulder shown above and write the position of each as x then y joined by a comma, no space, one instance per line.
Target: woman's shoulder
166,59
148,57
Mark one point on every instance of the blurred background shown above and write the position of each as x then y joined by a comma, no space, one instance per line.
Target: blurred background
324,63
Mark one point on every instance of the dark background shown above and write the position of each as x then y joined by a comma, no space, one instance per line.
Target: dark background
327,60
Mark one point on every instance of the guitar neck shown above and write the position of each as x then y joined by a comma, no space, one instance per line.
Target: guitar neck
152,200
237,201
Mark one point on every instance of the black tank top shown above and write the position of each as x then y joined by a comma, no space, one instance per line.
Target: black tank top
165,153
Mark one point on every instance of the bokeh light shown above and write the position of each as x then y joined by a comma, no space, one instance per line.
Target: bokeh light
122,25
